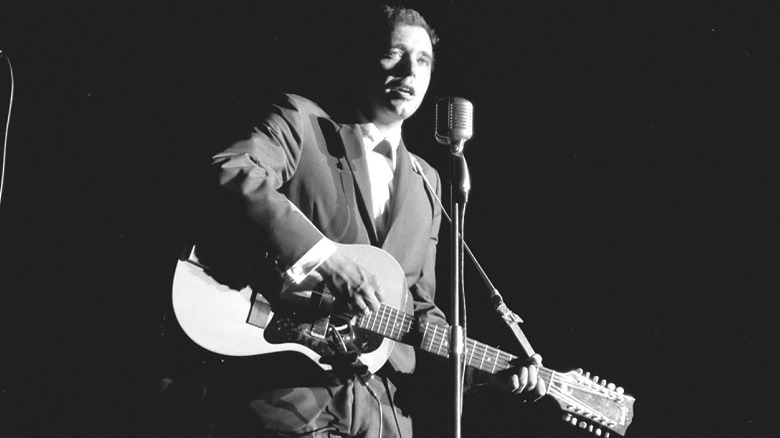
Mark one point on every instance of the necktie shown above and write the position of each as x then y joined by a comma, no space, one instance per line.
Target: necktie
383,148
381,173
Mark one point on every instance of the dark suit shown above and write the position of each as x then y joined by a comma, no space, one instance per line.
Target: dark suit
299,153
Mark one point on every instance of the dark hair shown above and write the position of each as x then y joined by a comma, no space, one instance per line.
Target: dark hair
367,28
355,36
397,15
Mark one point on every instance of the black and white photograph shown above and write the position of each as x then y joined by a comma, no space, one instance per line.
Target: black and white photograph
378,219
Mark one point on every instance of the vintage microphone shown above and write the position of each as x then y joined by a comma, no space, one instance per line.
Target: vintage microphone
454,125
454,121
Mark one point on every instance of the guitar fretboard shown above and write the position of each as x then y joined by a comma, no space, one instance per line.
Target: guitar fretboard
399,326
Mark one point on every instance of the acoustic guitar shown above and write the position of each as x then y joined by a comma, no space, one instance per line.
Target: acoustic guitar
307,320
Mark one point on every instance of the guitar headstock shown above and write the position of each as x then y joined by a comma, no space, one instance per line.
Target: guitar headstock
592,404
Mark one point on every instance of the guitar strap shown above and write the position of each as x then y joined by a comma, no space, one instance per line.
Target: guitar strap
511,319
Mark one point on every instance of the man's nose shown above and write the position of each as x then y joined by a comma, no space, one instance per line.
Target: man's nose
405,66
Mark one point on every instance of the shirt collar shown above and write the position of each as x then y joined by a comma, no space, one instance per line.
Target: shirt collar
372,136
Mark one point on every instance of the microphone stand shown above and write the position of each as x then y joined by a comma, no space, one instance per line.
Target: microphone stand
460,185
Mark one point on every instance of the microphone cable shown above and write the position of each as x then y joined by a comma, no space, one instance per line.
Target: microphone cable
7,124
509,317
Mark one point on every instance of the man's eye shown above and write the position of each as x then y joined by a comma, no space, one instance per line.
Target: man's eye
424,61
393,54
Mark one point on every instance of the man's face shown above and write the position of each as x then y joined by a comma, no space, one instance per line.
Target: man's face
394,86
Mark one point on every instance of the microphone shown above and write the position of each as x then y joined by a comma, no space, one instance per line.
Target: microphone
454,121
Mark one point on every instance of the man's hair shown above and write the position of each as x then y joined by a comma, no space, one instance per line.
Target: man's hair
355,36
397,15
374,24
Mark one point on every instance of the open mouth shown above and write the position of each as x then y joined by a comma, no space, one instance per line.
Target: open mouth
402,91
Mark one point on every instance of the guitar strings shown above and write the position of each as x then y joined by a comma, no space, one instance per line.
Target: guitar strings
388,319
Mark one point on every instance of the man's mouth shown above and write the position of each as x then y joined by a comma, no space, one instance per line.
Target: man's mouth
403,91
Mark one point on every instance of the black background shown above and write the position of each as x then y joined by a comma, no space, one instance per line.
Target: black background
624,200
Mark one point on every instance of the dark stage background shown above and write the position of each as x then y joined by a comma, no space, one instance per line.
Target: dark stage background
624,201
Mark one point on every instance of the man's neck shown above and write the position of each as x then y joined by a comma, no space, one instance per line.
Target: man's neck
387,129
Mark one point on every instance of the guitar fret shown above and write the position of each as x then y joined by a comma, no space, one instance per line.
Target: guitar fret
374,317
443,342
433,335
469,350
508,360
392,325
382,320
407,323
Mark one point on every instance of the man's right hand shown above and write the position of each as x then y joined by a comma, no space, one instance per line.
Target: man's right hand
348,280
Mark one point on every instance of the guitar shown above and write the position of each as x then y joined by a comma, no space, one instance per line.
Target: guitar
308,321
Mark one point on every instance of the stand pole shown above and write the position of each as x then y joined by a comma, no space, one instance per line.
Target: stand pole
459,188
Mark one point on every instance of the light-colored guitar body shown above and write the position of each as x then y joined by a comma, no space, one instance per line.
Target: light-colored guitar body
217,317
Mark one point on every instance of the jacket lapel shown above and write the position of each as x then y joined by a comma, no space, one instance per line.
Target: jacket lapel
404,199
358,165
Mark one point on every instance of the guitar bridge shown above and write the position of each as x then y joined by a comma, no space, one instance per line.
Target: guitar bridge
319,329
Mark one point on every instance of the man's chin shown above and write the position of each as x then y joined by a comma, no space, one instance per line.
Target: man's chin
402,109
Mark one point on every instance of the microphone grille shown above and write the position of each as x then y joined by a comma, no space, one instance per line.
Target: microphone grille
454,120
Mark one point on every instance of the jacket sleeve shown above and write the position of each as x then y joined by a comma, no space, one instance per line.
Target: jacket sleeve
253,170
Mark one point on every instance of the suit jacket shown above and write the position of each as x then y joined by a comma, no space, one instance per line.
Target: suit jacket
299,155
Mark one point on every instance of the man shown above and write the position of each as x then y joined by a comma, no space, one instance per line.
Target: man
306,179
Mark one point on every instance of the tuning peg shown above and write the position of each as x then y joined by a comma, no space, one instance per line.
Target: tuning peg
595,378
583,425
573,421
611,386
606,434
587,374
620,390
567,417
598,432
603,382
590,428
579,370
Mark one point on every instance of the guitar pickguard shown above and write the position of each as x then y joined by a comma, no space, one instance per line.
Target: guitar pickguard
327,336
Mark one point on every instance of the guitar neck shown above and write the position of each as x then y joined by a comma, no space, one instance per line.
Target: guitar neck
402,327
576,394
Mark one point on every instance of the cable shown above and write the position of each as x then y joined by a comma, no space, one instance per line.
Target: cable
7,125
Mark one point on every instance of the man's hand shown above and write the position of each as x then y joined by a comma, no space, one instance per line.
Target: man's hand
522,380
348,280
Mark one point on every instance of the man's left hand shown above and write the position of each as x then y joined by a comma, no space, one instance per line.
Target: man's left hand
523,380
